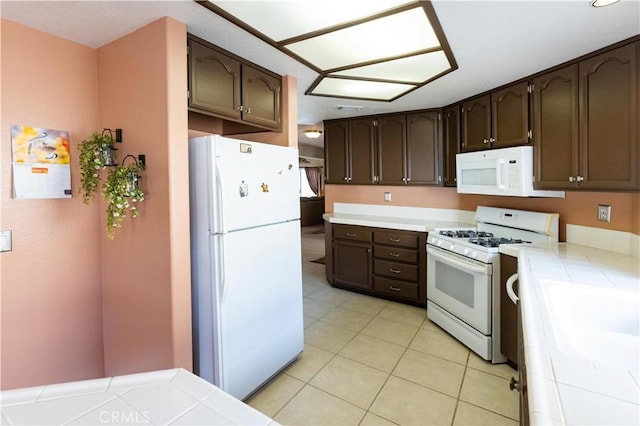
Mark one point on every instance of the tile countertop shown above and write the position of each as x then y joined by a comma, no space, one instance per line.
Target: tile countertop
576,371
173,396
398,217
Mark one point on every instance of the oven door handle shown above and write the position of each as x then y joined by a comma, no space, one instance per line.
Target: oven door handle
509,285
454,261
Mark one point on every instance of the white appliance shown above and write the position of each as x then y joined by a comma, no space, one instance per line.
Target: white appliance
463,273
504,171
246,261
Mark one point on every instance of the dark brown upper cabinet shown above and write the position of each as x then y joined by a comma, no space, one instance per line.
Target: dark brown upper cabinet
555,128
336,151
423,148
392,151
609,123
224,86
361,151
586,123
451,143
496,120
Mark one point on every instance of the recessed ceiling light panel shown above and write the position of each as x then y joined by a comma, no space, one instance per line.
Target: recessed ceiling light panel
360,89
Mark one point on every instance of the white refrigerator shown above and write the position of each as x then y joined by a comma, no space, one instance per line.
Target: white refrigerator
246,261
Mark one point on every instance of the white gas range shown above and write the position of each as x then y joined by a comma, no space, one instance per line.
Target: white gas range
463,273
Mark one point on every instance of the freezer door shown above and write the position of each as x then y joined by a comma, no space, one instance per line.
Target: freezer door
261,327
257,184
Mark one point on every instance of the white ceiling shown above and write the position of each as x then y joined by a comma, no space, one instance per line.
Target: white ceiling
494,42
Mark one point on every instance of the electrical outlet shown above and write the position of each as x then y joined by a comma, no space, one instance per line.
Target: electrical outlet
604,213
387,197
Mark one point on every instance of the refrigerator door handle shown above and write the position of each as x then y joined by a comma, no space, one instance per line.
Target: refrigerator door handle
222,274
219,202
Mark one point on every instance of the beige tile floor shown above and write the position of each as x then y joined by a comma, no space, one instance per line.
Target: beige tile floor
369,361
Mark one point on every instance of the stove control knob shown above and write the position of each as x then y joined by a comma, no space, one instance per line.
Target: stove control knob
452,246
474,254
466,251
433,240
439,243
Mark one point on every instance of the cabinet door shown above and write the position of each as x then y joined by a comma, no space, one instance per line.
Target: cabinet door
510,116
352,264
609,123
451,143
260,98
391,150
555,128
423,148
336,151
214,81
508,314
361,150
476,124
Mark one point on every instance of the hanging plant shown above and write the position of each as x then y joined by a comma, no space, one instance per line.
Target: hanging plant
122,193
96,153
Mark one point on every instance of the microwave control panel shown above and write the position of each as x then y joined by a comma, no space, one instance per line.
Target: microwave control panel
512,174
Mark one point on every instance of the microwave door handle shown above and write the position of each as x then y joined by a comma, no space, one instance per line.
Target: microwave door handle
468,266
499,167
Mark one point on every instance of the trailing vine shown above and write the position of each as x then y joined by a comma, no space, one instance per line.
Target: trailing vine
95,153
122,195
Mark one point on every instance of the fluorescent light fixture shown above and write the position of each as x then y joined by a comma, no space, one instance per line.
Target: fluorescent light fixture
361,49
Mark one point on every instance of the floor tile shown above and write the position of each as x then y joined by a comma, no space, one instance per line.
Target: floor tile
307,321
352,320
430,371
467,414
490,392
331,296
390,331
502,370
371,419
432,326
406,314
373,352
365,304
314,308
309,362
441,345
311,406
273,396
349,380
327,336
406,403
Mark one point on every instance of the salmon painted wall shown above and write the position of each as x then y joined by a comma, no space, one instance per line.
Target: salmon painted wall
577,208
51,294
146,268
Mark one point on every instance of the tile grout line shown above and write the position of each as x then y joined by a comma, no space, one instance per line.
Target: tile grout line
464,374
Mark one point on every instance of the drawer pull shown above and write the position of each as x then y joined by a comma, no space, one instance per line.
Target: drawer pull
394,240
514,385
392,288
351,234
394,254
395,271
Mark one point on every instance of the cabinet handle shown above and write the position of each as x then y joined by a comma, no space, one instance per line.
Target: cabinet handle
485,140
392,288
346,178
394,254
514,385
408,179
439,179
492,140
394,271
579,178
247,110
351,234
394,240
239,108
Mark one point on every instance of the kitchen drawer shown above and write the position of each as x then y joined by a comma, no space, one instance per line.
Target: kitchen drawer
396,288
395,254
396,270
354,233
394,239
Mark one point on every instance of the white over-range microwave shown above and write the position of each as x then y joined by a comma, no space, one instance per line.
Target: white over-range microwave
504,171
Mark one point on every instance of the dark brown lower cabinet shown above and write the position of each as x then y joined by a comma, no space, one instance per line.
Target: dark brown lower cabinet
380,262
508,314
522,375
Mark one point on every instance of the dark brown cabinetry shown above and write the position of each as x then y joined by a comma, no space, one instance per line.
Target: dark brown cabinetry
451,143
521,384
399,149
586,123
224,86
508,314
497,120
380,262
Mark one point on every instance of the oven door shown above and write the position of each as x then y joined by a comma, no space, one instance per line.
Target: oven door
460,286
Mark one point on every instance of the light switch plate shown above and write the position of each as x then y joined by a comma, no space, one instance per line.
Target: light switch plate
387,197
5,241
604,213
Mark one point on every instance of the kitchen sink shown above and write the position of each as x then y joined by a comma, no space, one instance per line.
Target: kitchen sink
600,324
